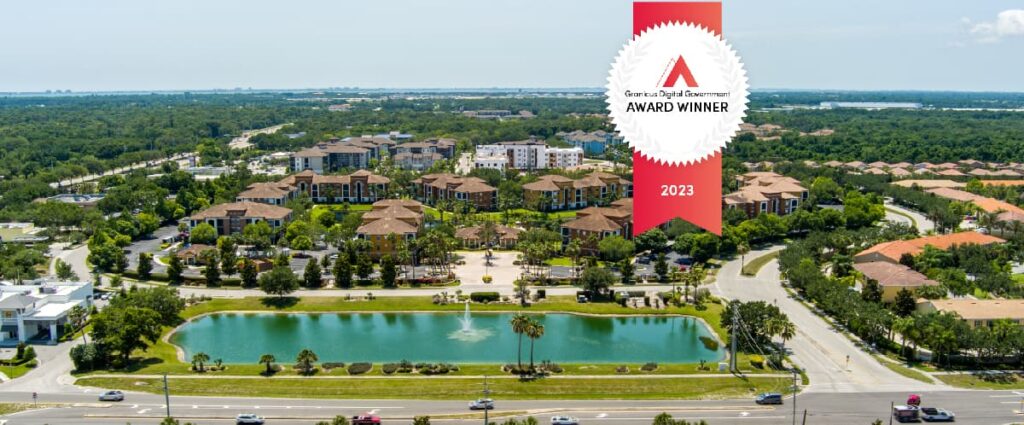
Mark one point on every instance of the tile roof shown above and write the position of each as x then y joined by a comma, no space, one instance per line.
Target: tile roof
928,184
386,226
892,274
893,250
244,209
593,223
969,309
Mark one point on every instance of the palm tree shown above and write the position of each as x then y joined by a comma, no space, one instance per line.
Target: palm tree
743,248
787,332
519,324
269,360
773,327
306,358
200,358
534,331
77,317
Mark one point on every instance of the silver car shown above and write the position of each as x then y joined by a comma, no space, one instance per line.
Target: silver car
481,404
564,420
112,396
248,419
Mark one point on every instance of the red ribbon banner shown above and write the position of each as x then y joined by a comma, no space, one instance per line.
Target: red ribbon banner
663,192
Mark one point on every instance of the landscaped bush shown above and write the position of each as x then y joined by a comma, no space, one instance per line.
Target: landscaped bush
542,294
487,279
484,297
359,368
404,366
709,343
333,365
649,367
622,369
435,369
389,368
757,361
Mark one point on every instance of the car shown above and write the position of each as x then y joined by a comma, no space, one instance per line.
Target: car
366,419
931,414
481,404
112,396
564,420
768,398
248,419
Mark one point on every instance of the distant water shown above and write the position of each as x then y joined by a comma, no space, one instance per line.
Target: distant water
437,337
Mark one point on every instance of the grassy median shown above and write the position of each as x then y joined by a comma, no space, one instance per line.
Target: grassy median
456,388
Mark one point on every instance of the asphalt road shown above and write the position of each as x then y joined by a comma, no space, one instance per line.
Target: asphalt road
972,407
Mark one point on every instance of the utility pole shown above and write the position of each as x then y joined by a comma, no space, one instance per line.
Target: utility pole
805,418
487,393
795,388
892,405
732,338
167,396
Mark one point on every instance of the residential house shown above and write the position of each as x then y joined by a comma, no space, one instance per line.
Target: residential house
892,251
231,218
978,313
892,277
766,192
433,188
39,311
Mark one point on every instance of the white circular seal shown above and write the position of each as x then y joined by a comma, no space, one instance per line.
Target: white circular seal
677,93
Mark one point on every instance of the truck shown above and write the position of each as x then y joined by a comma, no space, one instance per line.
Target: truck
906,413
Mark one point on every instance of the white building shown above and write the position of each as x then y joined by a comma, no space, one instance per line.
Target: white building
496,162
31,311
564,157
529,154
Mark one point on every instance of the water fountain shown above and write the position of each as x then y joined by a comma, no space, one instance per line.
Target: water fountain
467,333
467,320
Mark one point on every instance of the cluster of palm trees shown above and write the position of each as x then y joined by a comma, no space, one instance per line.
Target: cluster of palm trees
781,327
525,325
305,360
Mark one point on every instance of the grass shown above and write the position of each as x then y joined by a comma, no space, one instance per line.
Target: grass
12,408
989,381
18,370
499,216
906,371
338,208
1019,278
753,266
456,388
913,222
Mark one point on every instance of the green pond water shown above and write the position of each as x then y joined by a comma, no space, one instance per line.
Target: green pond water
445,337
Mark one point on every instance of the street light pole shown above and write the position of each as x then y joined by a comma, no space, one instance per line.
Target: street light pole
795,388
487,393
167,396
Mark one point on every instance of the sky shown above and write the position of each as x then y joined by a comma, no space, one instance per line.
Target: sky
112,45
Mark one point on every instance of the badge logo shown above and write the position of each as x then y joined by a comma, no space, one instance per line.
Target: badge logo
656,103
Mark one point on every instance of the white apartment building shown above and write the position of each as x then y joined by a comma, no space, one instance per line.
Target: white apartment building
40,310
529,154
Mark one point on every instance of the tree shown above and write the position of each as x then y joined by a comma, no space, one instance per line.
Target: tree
904,303
212,270
364,266
279,281
786,331
614,248
388,273
661,267
742,249
268,359
145,267
534,331
596,279
653,240
203,233
421,420
126,329
860,211
171,421
174,270
705,245
200,359
248,273
258,234
120,261
626,269
488,233
871,292
341,420
77,317
164,301
574,250
519,324
64,271
312,276
342,272
305,359
228,256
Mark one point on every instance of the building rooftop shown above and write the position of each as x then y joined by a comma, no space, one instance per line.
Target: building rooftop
892,274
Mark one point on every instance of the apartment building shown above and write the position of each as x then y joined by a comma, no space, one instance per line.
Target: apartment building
594,223
359,187
422,155
335,154
766,192
554,192
268,193
433,188
388,222
531,154
232,217
592,143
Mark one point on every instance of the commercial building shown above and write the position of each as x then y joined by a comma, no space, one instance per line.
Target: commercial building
38,312
505,237
24,233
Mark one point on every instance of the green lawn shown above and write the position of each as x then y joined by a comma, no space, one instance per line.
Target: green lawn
753,266
19,370
499,216
1019,278
11,408
906,371
994,381
338,208
456,388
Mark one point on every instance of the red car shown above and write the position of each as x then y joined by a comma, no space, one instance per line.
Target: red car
366,419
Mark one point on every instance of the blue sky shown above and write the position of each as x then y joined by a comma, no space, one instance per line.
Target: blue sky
203,44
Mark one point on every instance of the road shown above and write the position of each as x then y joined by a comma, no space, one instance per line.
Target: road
974,407
119,170
923,224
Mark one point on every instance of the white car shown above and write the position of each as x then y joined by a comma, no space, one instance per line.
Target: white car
932,414
112,396
481,404
248,418
564,420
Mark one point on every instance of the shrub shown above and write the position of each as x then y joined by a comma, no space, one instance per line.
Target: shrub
487,279
622,369
332,365
649,367
389,368
542,294
29,355
404,366
484,297
757,361
359,368
709,343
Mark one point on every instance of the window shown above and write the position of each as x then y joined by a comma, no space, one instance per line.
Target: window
764,206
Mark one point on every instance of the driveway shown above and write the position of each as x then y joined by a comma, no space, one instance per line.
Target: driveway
502,270
817,348
924,225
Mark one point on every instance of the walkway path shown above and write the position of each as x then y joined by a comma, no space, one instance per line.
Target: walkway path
817,348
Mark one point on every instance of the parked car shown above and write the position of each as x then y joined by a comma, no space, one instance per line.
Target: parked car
366,419
248,419
481,404
564,420
112,396
768,398
932,414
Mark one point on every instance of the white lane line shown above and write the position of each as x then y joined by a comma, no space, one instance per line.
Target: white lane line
602,415
143,411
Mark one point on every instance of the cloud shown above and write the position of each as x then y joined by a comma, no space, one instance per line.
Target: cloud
1008,23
